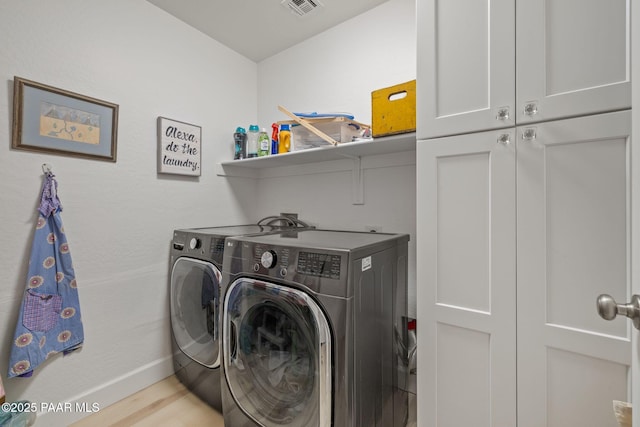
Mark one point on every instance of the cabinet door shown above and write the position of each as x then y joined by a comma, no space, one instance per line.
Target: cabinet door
573,204
466,57
573,58
466,291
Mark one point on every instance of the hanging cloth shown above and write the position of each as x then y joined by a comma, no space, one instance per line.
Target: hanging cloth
49,320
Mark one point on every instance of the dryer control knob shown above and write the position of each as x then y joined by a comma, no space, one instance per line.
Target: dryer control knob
269,259
194,243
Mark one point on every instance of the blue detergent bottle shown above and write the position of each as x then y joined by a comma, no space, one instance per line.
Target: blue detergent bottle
239,143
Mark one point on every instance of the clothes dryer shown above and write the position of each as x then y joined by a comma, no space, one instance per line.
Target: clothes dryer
308,322
196,272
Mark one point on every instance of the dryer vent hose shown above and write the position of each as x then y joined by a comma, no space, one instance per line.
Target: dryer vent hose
279,220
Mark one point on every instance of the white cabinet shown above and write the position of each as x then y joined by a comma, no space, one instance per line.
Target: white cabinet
466,72
573,243
572,57
466,228
519,230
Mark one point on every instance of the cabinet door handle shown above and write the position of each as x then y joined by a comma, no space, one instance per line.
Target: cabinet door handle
530,109
504,139
503,114
529,134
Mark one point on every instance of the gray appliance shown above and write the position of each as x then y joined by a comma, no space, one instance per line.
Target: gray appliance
308,326
196,264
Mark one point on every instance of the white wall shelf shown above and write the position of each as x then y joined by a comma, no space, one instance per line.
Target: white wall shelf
385,145
355,151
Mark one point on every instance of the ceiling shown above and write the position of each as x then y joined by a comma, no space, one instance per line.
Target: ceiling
259,29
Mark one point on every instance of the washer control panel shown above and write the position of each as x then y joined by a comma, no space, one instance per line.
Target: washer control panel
275,260
319,265
269,259
278,261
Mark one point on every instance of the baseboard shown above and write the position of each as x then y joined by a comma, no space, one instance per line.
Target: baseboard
83,405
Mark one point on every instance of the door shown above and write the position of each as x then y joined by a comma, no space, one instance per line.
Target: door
194,309
573,58
574,243
466,57
466,290
277,355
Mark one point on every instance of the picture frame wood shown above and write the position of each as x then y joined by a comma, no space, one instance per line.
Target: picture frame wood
57,121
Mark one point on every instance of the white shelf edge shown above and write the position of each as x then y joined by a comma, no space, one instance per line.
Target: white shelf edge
384,145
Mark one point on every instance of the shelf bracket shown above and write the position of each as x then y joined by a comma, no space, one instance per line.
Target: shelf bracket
357,181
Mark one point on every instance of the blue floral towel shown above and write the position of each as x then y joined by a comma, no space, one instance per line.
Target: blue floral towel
50,320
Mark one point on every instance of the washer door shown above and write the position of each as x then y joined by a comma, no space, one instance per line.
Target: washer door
195,290
277,354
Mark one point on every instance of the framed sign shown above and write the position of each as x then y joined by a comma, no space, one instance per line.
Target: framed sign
57,121
179,146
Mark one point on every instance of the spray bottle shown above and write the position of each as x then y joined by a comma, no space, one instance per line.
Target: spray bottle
274,138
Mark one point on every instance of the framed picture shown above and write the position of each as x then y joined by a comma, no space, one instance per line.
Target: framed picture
179,146
57,121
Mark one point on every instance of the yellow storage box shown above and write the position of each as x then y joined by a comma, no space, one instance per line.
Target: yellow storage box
393,109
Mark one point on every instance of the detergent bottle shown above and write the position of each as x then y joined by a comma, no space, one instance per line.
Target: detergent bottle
264,143
240,143
252,141
274,138
284,141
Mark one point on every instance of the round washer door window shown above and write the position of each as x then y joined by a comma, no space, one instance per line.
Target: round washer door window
277,348
195,288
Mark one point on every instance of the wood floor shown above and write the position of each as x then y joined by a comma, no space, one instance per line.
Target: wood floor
166,403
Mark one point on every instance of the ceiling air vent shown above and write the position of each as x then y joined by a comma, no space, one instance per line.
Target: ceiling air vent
302,7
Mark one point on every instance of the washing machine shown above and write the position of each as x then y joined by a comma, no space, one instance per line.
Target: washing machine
195,276
308,320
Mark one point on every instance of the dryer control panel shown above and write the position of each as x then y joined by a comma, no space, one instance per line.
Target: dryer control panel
198,245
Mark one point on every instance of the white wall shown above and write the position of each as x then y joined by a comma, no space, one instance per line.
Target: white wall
119,216
337,71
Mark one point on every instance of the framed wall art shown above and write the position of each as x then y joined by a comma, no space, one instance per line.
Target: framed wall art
57,121
179,147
